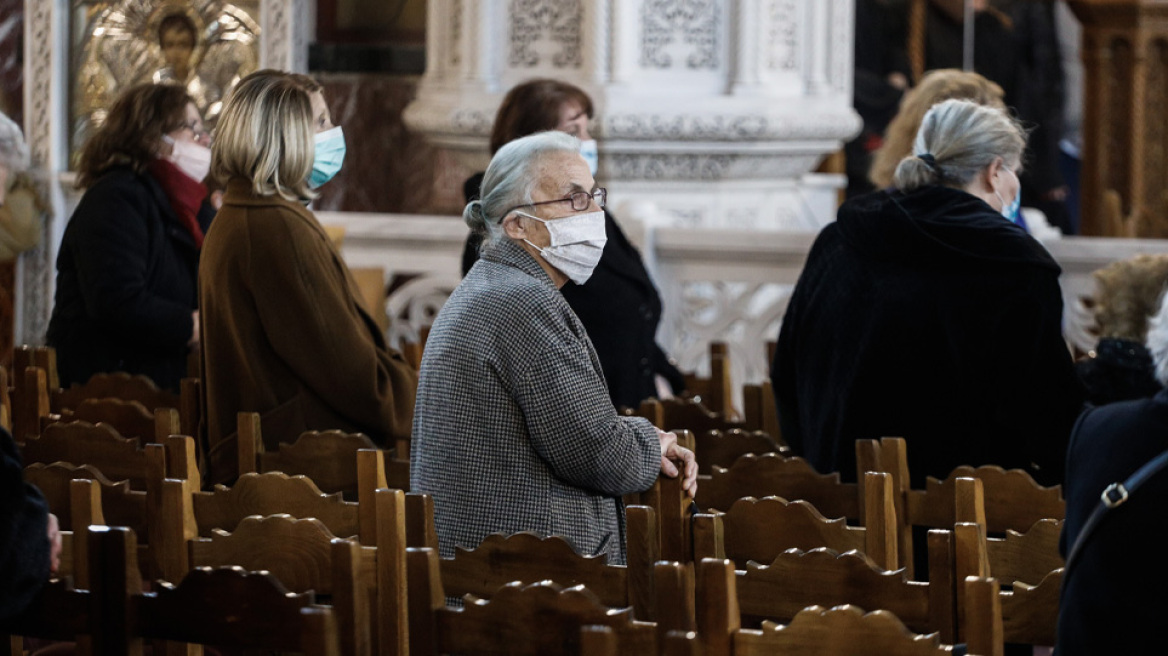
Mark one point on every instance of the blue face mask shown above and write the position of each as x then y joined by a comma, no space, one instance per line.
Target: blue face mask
330,154
1013,211
590,154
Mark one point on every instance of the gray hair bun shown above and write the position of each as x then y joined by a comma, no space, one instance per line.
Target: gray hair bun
475,217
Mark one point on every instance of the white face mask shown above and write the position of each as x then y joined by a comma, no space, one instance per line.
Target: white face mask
577,242
191,158
591,154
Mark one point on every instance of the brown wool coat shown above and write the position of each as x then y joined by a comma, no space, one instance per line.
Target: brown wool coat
283,334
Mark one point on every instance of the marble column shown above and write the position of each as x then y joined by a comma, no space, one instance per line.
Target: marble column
714,112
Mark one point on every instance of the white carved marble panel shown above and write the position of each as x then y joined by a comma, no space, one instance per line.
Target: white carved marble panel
682,34
545,34
743,315
456,43
840,57
783,28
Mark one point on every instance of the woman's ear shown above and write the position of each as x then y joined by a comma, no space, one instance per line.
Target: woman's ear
993,174
513,227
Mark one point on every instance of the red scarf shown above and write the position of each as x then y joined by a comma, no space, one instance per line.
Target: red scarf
185,194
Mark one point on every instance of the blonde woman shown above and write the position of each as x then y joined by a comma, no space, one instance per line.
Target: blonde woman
283,331
924,312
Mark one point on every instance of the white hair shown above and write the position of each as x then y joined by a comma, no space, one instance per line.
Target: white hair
962,138
13,150
510,179
1157,340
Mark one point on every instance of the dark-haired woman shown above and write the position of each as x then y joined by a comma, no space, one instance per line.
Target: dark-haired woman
619,305
926,312
128,266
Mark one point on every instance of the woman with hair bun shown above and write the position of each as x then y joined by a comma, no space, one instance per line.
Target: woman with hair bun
926,312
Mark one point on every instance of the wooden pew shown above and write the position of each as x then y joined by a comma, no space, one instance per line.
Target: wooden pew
722,448
791,478
761,529
226,607
329,458
1010,500
536,618
723,605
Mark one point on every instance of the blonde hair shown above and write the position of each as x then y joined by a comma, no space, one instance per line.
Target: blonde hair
936,86
1128,293
958,139
265,135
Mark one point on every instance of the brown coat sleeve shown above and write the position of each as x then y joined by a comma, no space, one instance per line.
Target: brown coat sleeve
310,312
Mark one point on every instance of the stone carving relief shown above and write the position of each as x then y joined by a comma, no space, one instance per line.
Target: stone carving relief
414,306
705,166
39,114
840,41
682,28
783,35
744,315
455,43
729,127
540,26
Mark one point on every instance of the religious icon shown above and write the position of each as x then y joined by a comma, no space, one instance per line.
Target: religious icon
205,45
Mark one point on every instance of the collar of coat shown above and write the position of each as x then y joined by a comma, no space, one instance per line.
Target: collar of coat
511,254
239,192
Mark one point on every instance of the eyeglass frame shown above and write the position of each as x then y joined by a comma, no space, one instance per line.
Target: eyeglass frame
591,195
198,133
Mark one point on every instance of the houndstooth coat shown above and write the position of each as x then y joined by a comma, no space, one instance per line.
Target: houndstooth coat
513,427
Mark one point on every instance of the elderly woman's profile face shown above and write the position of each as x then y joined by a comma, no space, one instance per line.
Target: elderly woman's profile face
561,174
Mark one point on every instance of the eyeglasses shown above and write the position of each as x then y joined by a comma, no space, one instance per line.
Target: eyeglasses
581,200
196,129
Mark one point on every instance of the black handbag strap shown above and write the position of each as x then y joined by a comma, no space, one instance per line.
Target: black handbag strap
1113,496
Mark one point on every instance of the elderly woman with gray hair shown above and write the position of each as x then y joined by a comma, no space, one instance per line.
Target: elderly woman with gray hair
927,312
513,427
1118,560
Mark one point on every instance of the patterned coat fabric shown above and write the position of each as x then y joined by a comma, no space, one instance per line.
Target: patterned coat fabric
513,427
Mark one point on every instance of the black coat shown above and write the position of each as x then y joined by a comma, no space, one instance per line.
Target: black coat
24,542
127,277
1111,603
930,317
1118,370
619,307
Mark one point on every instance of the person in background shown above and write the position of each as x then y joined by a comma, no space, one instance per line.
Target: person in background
619,304
1120,367
926,312
881,79
513,429
127,272
30,542
285,333
1098,613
